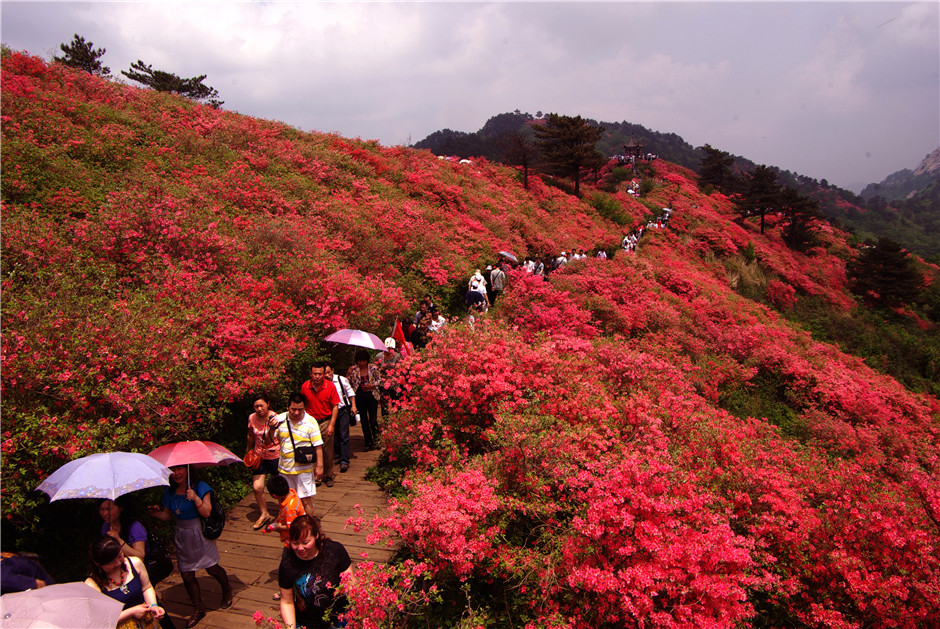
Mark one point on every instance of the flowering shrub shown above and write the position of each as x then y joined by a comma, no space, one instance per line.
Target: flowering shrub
781,295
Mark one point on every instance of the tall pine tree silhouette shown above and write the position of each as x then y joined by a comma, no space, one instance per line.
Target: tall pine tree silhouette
716,170
567,145
167,82
83,55
885,275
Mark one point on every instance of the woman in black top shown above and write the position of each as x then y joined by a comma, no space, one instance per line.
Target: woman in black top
309,574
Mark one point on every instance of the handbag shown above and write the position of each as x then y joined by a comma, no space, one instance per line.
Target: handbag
342,391
252,460
146,622
303,454
213,523
157,561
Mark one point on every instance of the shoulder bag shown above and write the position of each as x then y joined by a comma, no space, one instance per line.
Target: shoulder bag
303,454
342,392
213,523
157,560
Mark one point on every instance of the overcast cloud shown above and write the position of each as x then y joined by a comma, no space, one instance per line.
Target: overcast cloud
845,91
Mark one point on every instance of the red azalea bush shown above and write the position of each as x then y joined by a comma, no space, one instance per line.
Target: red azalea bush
781,295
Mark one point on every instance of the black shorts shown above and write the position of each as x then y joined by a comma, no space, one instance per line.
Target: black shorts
268,466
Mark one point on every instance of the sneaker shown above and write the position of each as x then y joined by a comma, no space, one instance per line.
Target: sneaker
328,482
344,467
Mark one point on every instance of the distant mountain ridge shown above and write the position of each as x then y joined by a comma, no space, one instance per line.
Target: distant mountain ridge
904,207
906,183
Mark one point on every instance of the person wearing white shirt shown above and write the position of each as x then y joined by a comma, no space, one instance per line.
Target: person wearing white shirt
345,417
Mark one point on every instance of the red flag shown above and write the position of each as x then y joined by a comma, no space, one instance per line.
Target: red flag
404,347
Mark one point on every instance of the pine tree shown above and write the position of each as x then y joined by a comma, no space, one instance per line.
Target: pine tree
884,274
83,55
802,214
567,145
167,82
518,151
716,170
760,195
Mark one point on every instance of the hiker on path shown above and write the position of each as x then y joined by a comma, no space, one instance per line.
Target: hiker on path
188,503
263,442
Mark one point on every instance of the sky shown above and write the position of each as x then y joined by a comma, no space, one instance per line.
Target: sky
843,91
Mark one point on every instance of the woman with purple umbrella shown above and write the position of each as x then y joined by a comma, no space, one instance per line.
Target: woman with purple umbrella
193,551
366,381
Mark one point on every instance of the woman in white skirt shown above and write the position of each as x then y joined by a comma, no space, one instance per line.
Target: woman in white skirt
193,551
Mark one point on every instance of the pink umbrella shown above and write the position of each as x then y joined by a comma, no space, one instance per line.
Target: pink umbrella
195,453
357,338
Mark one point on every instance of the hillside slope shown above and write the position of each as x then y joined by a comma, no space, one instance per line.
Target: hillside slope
632,443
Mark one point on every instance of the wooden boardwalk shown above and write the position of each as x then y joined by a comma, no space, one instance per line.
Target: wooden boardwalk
251,557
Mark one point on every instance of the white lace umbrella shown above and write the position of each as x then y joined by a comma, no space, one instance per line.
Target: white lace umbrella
105,475
65,606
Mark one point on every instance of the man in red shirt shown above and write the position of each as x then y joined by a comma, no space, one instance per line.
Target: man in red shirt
322,403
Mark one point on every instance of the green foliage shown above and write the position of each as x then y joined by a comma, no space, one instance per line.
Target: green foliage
646,170
913,220
517,150
83,55
761,194
749,254
668,146
889,343
767,395
563,185
617,176
803,213
388,473
161,81
608,207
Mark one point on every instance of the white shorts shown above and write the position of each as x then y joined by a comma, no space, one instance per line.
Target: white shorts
302,483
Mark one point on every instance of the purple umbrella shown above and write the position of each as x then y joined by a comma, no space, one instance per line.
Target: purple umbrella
357,338
105,475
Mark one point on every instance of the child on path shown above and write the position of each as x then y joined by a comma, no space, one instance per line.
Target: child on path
289,508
